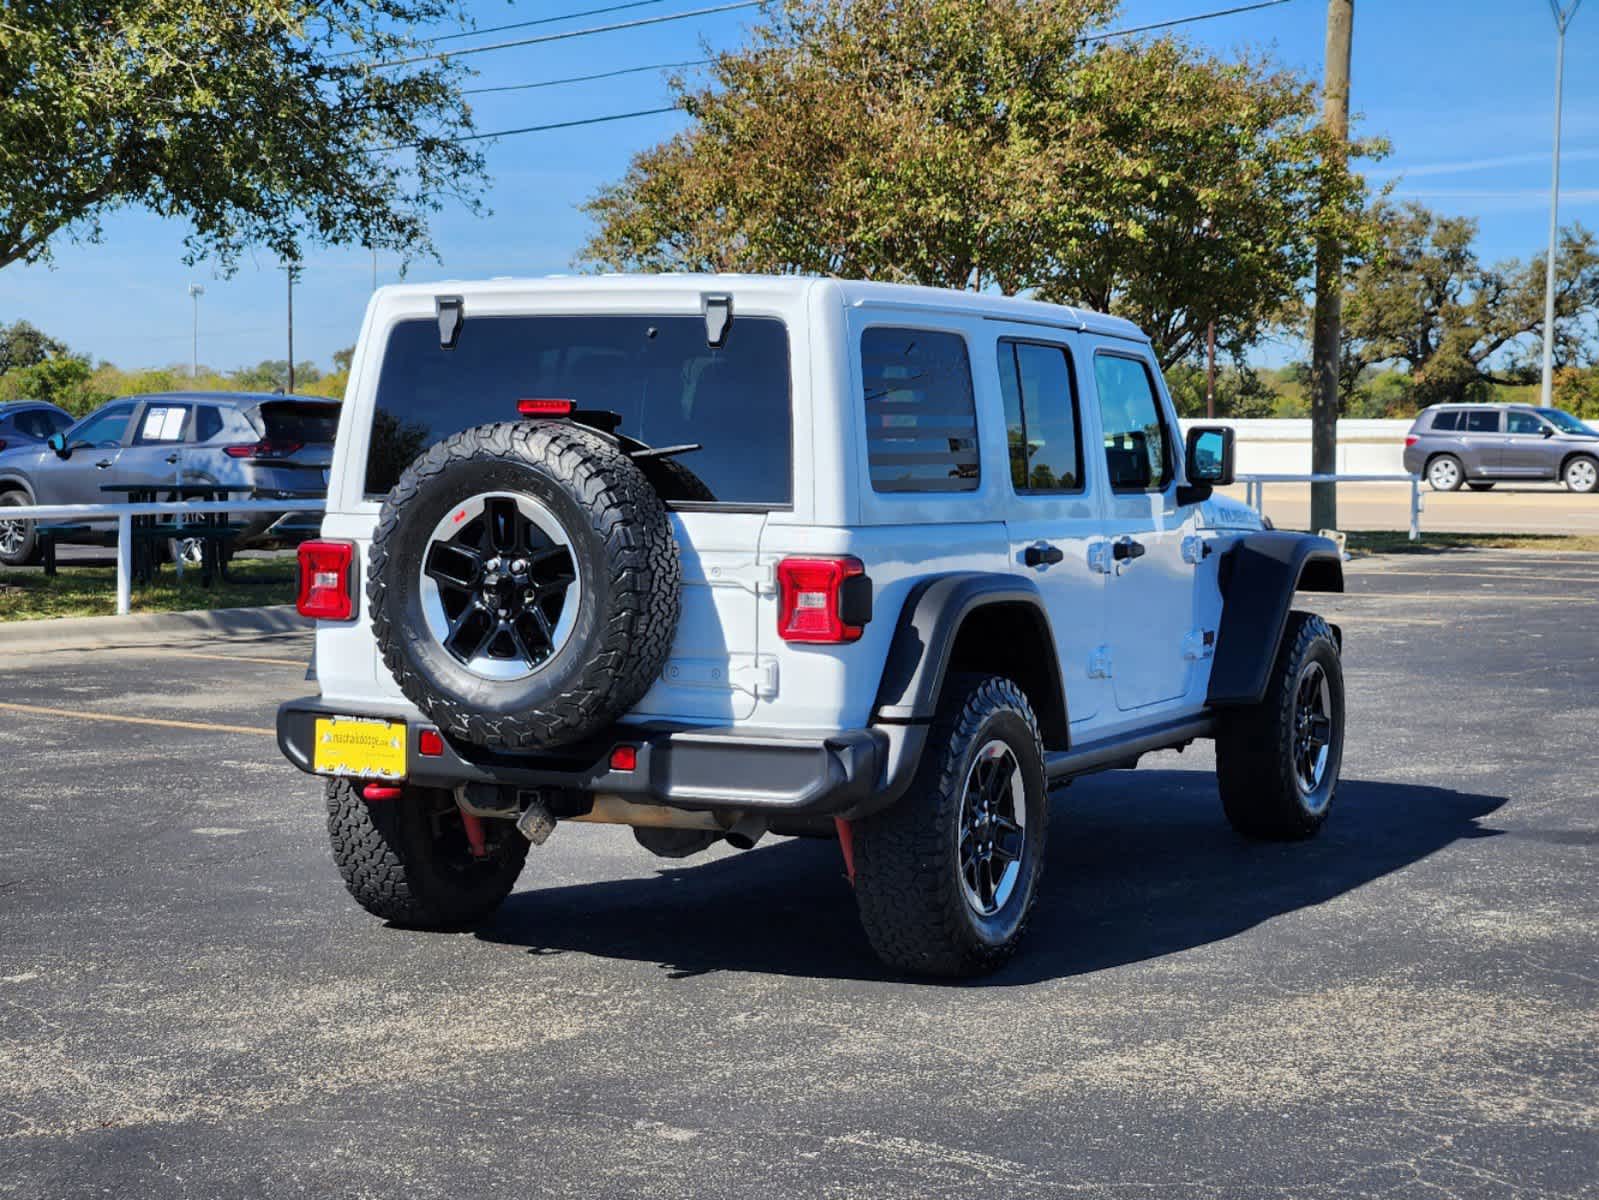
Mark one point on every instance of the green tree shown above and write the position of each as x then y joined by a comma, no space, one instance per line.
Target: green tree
273,375
1241,392
21,345
1422,297
985,144
252,119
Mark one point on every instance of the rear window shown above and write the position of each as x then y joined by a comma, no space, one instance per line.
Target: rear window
921,421
286,421
1449,419
656,373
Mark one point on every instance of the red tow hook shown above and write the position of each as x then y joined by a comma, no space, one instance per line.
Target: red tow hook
374,792
473,824
846,843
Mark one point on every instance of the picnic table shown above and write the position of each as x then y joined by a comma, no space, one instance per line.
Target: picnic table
211,529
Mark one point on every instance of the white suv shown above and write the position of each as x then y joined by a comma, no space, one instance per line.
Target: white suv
715,556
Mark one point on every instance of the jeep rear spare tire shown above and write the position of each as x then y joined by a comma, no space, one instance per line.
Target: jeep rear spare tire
523,584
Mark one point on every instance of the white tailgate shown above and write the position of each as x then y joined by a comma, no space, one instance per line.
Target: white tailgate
715,672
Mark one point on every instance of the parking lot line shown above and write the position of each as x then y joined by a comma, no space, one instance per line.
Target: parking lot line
82,715
278,662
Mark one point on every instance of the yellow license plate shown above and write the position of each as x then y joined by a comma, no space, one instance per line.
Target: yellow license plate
360,747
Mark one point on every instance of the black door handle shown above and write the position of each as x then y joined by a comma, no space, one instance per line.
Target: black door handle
1042,554
1126,549
103,464
172,458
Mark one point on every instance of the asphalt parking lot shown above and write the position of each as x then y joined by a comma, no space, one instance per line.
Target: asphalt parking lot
190,1005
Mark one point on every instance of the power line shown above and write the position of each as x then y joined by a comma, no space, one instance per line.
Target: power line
478,137
1205,16
542,83
586,12
572,33
698,62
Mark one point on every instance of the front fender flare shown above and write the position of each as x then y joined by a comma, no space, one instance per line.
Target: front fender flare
1258,576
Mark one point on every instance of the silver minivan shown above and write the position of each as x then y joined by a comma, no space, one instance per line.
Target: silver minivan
1479,445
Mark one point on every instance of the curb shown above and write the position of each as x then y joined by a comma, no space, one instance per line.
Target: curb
149,629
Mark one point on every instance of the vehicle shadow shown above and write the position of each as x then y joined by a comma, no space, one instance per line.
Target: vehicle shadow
1140,864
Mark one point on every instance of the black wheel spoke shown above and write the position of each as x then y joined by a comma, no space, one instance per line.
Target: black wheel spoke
454,565
468,633
505,525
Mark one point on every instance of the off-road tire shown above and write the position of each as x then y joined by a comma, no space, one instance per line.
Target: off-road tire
907,859
1459,473
30,551
623,549
1255,745
406,860
1588,483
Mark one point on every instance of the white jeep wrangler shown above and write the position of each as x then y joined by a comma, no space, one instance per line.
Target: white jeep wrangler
715,556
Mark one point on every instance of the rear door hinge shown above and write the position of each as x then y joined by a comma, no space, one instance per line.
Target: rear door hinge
1195,549
751,575
1099,664
1101,557
755,674
1199,644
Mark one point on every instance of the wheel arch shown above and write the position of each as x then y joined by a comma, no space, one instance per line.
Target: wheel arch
15,483
973,621
1581,452
1259,575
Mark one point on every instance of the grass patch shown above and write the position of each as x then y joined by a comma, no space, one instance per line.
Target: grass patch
1432,543
92,591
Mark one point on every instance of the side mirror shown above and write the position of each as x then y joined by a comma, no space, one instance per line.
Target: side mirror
58,443
1210,455
1547,431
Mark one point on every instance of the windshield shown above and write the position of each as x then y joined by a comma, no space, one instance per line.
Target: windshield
1564,421
657,374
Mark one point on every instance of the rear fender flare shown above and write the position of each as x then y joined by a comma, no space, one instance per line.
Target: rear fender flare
927,635
1259,575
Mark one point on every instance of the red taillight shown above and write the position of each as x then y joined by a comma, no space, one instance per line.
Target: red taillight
430,743
545,408
265,448
326,577
1410,440
624,758
2,443
825,600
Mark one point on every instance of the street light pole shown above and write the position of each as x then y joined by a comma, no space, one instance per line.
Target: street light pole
1563,14
291,271
196,290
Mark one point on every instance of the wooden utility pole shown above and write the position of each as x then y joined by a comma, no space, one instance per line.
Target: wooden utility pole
1329,280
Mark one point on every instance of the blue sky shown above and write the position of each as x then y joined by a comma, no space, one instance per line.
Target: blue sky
1462,88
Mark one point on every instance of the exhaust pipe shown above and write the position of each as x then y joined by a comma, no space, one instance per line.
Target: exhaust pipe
746,831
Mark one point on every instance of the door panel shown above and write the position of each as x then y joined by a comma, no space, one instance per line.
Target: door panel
1053,516
1527,453
1149,594
156,456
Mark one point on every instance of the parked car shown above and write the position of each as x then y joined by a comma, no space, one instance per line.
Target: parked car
717,556
1479,445
271,446
29,422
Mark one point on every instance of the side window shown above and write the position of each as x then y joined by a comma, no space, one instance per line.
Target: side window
1136,452
162,423
1523,422
1448,420
1041,425
104,429
36,422
1481,421
921,419
207,423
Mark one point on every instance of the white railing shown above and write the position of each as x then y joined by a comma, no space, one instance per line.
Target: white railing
1255,490
124,514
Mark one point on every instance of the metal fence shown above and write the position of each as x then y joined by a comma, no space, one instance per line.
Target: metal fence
125,514
1255,491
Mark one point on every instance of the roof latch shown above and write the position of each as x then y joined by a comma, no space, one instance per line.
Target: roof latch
452,314
718,318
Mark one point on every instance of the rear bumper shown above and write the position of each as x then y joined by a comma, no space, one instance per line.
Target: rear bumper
848,773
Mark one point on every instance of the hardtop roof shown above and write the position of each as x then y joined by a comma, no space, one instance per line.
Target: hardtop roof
852,293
